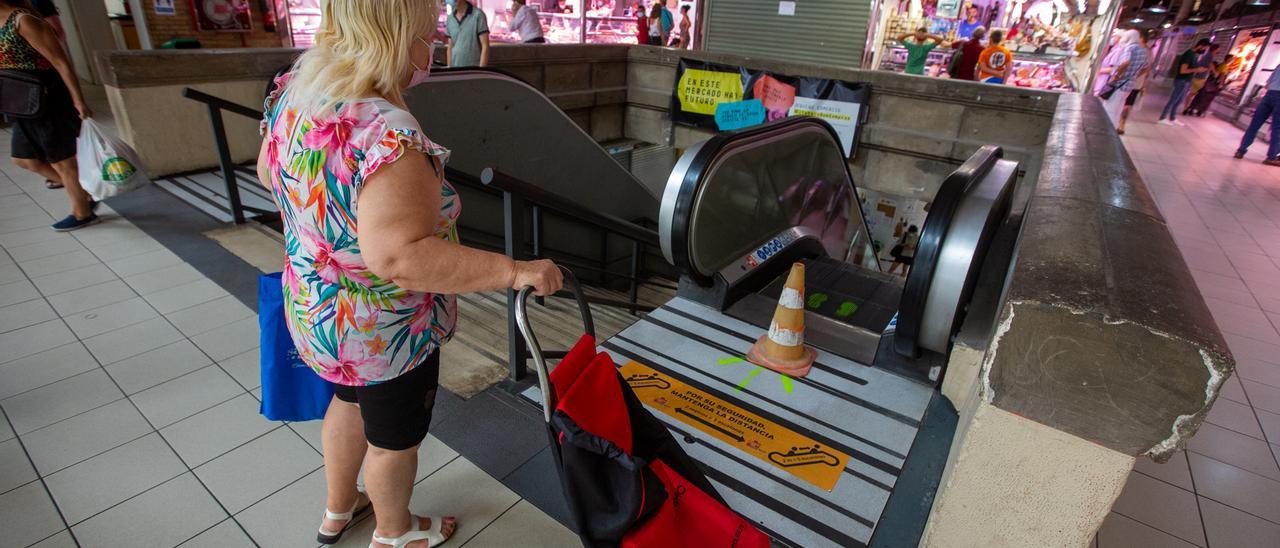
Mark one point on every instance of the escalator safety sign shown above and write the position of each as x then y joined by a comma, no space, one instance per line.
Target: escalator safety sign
701,90
765,440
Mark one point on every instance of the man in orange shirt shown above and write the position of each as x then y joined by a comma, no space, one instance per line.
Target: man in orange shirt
995,64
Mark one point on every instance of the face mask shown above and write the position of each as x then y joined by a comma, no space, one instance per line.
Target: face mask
420,74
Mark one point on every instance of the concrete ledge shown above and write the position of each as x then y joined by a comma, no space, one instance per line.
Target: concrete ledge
158,67
1103,333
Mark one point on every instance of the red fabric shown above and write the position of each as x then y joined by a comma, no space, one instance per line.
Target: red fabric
691,518
594,401
577,360
969,52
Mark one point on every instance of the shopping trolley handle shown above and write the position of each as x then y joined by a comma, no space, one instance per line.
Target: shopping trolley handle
535,350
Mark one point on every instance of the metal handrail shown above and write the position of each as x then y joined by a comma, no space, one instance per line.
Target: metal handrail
537,196
216,105
539,357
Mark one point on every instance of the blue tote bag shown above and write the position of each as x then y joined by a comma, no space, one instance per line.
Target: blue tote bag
291,391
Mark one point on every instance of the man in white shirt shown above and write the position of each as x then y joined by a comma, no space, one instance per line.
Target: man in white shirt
525,22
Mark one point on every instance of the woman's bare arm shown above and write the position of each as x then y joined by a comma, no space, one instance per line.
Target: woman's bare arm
42,37
398,209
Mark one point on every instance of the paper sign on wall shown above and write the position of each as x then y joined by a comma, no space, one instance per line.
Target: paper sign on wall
787,8
701,90
164,7
842,116
739,114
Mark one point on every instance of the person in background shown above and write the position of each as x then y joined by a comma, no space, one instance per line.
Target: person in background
525,22
969,51
468,31
1268,107
904,253
668,22
656,35
686,27
1134,64
970,24
1184,69
47,145
1199,79
373,262
642,24
1140,83
918,45
995,63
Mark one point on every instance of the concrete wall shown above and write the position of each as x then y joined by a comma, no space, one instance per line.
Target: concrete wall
919,128
88,32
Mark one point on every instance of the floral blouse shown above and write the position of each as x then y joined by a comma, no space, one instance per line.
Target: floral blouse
350,326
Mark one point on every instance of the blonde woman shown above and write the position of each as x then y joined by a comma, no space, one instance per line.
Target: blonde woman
373,258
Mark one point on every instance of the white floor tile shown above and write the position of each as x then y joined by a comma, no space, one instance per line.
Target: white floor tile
464,491
16,292
25,314
146,262
289,517
72,280
15,467
66,443
75,260
133,340
166,515
177,399
11,240
157,366
44,249
186,296
35,339
224,535
229,340
209,316
212,432
245,368
45,368
61,540
125,249
155,281
27,515
89,298
101,482
524,525
91,323
61,400
257,469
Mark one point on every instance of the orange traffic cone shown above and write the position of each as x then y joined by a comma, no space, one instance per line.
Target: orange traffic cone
783,349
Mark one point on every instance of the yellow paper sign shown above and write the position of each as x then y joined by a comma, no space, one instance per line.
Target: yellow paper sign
781,447
702,90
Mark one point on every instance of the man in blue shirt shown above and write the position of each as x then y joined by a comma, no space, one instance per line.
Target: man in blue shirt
1268,107
965,30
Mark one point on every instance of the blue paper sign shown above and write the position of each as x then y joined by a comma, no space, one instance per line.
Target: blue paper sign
739,114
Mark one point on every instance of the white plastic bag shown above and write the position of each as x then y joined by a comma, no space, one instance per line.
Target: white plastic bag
108,167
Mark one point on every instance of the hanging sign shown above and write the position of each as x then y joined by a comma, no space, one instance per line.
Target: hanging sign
164,7
702,88
768,441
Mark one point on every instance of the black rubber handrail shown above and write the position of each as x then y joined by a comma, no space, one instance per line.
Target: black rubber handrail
221,103
942,212
542,198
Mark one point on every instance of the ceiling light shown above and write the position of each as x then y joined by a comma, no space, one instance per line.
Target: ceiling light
1160,7
1259,2
1167,25
1136,20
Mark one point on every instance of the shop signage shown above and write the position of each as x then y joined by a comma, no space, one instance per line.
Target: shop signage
948,8
726,98
222,15
164,7
781,447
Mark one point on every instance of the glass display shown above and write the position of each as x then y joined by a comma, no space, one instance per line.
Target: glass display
301,18
1244,54
1029,70
755,190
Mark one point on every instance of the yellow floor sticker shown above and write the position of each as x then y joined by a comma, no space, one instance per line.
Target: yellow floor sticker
768,441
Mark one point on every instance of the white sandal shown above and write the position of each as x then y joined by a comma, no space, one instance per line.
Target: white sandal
432,536
324,536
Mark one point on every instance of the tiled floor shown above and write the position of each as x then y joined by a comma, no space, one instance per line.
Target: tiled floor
129,411
1224,491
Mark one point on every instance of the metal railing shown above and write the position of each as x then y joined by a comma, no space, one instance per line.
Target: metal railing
518,199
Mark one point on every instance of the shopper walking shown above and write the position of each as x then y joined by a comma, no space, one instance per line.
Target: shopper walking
468,31
1139,86
686,27
1184,69
1134,64
995,64
526,23
373,259
969,51
918,45
668,22
1199,79
1268,107
46,145
904,252
657,36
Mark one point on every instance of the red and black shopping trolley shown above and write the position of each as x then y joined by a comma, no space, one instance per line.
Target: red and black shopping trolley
626,479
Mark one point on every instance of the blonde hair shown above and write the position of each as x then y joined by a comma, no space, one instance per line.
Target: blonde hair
361,50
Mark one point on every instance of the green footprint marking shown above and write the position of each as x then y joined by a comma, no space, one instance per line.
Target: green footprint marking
816,300
846,309
727,361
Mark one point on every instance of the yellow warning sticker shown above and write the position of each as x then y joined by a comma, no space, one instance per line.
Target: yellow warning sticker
781,447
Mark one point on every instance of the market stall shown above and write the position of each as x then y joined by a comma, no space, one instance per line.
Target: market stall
1050,39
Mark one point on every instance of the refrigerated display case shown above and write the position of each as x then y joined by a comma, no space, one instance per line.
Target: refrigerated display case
1030,70
1245,50
299,19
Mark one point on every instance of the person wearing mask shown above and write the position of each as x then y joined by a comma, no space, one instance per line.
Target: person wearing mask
1199,79
969,51
685,39
918,45
526,23
468,31
1139,85
46,145
995,63
970,24
657,36
1134,65
642,24
1184,69
1268,108
373,262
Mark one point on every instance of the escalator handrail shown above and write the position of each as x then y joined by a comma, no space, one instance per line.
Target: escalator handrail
942,212
533,194
699,169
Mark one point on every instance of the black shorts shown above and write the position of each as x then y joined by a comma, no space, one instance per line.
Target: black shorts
1132,99
397,413
51,138
906,260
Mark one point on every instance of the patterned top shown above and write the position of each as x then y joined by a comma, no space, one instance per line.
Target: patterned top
15,51
350,326
1138,57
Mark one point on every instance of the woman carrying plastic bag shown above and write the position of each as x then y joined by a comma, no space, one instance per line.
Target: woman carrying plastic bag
108,167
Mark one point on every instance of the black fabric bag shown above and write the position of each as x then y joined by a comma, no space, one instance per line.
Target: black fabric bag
1111,89
957,56
22,94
